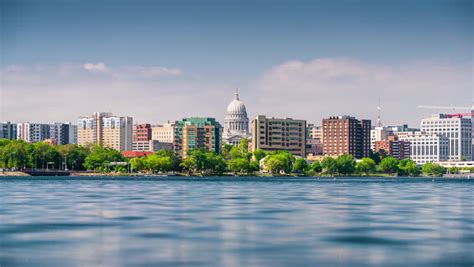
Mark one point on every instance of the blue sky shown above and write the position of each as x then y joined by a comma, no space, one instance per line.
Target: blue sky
234,43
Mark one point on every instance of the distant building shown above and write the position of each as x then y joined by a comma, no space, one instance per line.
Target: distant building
55,133
33,132
105,129
142,132
346,135
314,140
197,133
136,154
393,147
273,134
426,147
402,128
8,130
63,133
163,133
456,128
236,122
378,134
151,145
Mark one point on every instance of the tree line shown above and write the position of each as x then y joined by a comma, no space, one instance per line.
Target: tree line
236,160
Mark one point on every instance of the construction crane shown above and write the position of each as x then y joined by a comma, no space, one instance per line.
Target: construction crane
454,108
445,107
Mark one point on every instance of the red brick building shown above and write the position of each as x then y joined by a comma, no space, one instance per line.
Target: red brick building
393,147
142,132
346,135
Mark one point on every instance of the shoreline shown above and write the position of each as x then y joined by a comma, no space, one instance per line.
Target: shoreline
184,175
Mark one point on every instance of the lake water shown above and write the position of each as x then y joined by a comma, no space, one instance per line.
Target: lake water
236,222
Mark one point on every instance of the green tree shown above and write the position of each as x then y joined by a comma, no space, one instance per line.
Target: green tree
375,156
75,155
236,153
137,164
345,164
101,157
365,166
158,163
434,169
274,165
259,154
14,154
316,166
300,166
239,165
329,165
412,169
454,170
389,165
189,164
226,150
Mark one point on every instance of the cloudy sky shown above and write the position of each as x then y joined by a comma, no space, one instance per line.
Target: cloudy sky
164,60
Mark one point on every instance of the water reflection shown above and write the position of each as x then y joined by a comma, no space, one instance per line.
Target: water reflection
235,222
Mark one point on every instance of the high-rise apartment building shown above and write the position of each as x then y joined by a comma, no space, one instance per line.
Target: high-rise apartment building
142,132
57,132
63,133
33,132
426,147
273,134
197,133
346,135
105,129
8,130
456,128
394,147
163,133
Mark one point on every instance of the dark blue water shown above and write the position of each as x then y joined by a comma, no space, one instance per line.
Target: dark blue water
236,222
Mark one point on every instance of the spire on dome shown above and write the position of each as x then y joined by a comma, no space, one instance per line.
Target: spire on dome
237,94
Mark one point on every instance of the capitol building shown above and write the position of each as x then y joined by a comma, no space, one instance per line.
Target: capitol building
236,122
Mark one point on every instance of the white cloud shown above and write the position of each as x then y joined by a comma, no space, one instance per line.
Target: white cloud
98,67
310,90
328,86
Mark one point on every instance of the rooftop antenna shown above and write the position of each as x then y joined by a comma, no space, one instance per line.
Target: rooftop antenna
237,93
379,120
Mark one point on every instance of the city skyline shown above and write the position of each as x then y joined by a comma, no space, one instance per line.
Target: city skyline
187,59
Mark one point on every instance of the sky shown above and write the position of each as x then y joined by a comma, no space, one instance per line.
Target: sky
165,60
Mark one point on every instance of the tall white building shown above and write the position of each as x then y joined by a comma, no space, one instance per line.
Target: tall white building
426,147
456,128
236,122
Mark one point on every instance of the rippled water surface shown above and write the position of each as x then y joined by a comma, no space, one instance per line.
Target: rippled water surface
236,222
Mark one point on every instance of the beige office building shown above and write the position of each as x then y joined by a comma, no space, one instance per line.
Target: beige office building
163,133
105,129
272,134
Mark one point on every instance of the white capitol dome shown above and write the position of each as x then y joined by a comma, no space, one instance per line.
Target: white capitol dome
236,122
236,107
